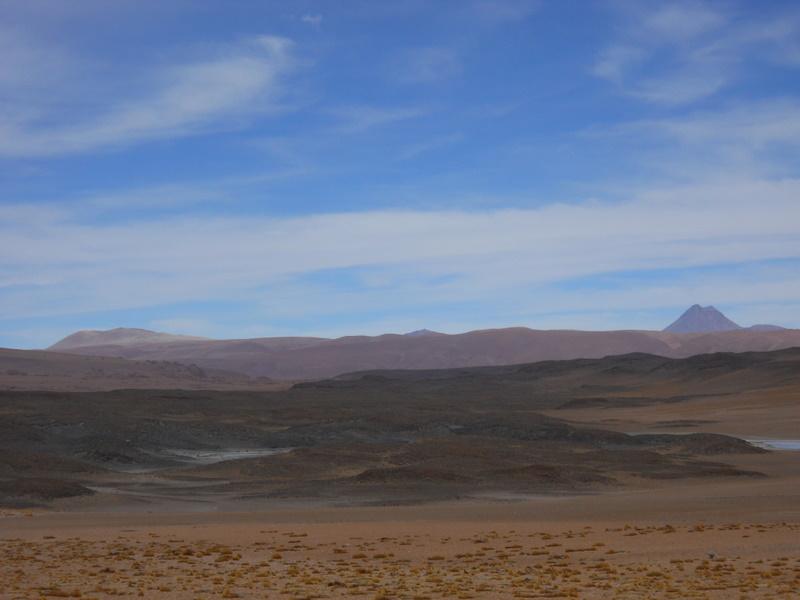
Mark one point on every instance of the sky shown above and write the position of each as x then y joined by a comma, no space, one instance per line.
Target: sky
238,168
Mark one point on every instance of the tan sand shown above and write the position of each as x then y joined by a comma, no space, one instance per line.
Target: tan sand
688,539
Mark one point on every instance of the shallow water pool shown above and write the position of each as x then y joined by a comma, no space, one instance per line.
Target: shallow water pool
208,457
771,444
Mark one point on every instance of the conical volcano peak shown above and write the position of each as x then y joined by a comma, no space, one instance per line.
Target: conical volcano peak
701,319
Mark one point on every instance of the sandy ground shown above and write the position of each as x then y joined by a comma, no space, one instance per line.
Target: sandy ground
771,413
685,539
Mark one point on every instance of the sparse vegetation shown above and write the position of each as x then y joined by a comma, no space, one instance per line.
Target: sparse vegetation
145,566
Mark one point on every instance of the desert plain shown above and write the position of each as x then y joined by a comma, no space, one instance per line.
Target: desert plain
630,476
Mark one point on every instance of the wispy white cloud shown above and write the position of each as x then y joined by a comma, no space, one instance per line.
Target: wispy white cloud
753,139
315,20
431,64
679,53
615,61
357,119
179,100
29,63
681,21
503,11
440,257
754,125
609,305
187,195
683,87
429,145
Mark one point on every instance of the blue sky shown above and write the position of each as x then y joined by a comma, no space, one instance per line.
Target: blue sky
242,168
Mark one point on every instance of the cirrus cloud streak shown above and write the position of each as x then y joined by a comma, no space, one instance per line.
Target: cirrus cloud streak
54,263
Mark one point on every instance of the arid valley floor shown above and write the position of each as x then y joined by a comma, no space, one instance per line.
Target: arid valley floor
400,300
624,477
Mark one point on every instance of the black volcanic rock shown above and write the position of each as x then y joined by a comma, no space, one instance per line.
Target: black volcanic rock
702,319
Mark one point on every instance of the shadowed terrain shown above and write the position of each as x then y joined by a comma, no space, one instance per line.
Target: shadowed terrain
57,371
389,436
559,479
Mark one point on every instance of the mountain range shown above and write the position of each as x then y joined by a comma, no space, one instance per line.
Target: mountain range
699,330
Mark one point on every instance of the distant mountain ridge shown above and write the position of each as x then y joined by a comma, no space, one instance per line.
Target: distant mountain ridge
765,327
121,336
292,358
420,332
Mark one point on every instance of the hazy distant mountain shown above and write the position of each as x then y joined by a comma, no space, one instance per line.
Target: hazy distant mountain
420,332
702,319
312,358
765,327
121,336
